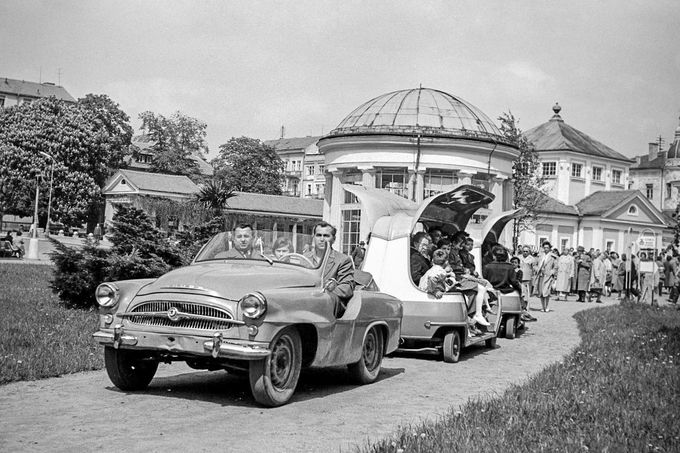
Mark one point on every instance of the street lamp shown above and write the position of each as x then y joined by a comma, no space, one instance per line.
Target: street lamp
33,242
49,202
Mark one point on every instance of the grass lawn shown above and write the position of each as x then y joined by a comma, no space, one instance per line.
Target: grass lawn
38,337
618,391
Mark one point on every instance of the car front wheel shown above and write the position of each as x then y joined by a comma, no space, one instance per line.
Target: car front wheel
273,380
129,370
366,370
510,328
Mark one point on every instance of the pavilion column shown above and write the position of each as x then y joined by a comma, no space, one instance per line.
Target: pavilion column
420,185
496,188
336,199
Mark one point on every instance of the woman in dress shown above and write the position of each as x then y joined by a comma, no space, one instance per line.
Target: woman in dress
598,276
617,275
565,270
547,269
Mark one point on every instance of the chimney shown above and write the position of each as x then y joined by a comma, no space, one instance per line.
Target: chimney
653,151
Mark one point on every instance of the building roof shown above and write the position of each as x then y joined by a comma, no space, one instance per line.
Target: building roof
276,204
289,144
645,164
550,205
34,89
422,111
556,135
160,182
603,201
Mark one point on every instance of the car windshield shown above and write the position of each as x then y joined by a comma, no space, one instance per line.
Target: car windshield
271,246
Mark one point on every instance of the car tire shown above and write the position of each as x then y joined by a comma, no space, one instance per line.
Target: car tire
451,347
273,380
510,328
129,370
367,369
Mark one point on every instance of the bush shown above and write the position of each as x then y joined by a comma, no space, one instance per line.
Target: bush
139,251
78,272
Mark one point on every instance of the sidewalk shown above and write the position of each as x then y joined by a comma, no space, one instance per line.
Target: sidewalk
45,247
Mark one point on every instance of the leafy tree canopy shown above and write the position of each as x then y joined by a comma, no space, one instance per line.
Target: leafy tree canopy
248,165
526,175
88,141
176,139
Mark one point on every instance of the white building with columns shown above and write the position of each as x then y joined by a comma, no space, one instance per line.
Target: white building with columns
415,143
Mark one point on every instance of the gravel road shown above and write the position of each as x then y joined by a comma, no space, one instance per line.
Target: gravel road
191,411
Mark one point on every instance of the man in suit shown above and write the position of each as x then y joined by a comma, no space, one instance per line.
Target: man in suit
242,239
338,267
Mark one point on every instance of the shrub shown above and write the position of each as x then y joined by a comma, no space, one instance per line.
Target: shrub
78,272
139,251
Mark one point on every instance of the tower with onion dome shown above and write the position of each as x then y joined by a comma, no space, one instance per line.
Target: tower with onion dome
415,143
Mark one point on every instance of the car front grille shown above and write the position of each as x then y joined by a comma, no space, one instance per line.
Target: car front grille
185,315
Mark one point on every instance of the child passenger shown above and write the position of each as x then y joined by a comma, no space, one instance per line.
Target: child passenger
438,280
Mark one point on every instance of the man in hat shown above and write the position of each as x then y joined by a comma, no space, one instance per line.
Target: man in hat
358,254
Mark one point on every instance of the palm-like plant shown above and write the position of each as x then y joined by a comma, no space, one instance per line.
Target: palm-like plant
214,196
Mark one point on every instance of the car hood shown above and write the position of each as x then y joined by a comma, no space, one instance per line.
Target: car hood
233,279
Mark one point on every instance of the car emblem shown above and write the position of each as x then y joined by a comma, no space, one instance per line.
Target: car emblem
173,314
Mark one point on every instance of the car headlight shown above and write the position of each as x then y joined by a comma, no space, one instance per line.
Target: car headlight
107,295
253,305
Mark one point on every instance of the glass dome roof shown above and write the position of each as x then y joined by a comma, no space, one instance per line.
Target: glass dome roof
421,111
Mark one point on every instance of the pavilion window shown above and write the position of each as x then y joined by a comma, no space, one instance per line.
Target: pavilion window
394,180
351,220
549,169
649,189
576,170
438,181
616,177
597,174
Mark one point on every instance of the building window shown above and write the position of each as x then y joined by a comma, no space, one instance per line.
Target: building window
564,243
669,190
616,177
394,180
310,170
610,246
322,169
319,190
2,102
351,218
438,181
123,182
309,189
649,190
577,170
633,210
597,174
26,101
549,169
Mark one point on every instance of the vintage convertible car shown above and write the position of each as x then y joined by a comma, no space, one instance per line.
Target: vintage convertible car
429,324
264,317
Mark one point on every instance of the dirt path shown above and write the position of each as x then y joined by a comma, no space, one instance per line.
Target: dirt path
187,410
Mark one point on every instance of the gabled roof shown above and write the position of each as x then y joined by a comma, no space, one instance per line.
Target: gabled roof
289,144
601,202
556,135
550,205
156,182
34,89
256,202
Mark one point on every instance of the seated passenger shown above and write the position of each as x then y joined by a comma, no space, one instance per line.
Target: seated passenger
500,273
437,280
469,285
420,258
282,246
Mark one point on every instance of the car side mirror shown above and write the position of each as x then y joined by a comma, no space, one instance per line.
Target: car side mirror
330,285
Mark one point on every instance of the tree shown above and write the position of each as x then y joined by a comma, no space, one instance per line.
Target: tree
85,139
526,177
214,196
176,140
248,165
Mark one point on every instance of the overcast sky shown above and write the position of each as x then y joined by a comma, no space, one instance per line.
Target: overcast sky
246,68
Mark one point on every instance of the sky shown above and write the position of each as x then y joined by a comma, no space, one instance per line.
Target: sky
246,68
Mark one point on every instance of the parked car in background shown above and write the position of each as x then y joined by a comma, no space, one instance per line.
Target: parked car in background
260,316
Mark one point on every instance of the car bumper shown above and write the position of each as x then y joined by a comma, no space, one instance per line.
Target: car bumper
186,345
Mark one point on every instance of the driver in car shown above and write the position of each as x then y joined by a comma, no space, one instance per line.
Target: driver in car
242,238
338,267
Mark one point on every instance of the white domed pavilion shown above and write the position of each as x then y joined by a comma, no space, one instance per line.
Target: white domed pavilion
415,143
